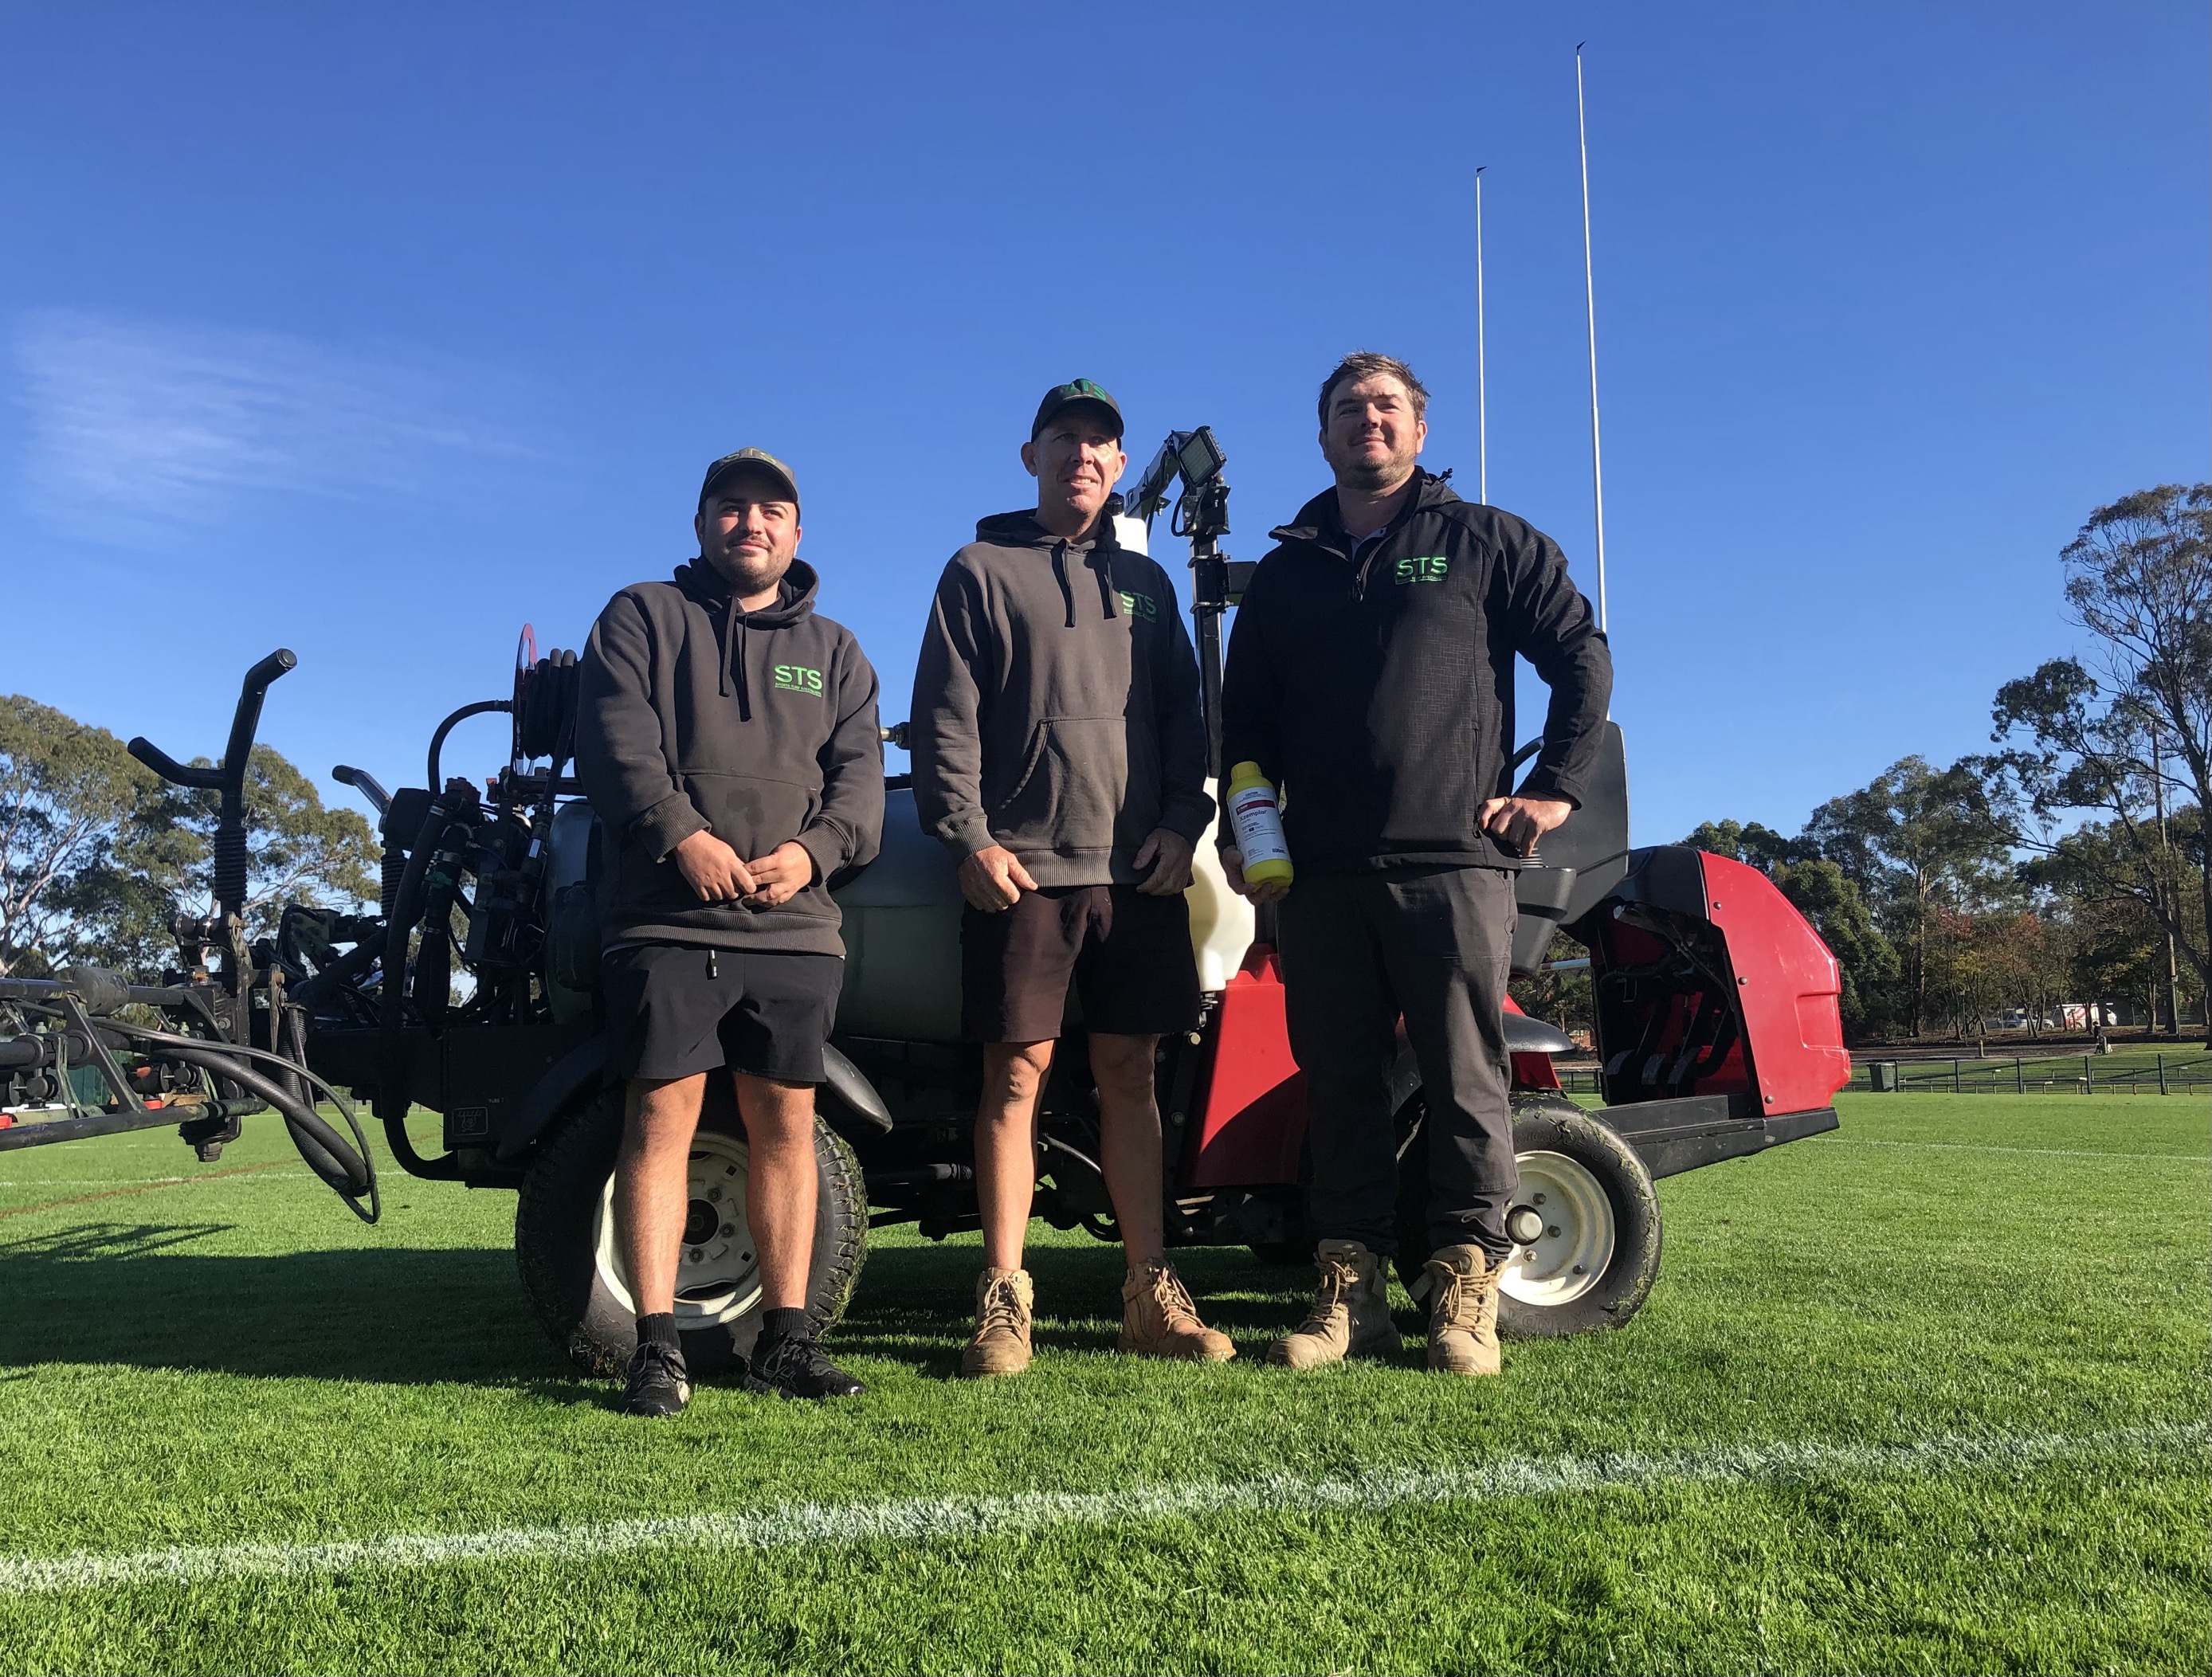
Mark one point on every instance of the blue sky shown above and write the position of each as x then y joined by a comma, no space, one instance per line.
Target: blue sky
375,331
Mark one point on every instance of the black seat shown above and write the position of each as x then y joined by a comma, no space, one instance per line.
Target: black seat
1579,862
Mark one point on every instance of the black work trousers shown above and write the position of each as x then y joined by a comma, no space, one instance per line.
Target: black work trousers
1431,945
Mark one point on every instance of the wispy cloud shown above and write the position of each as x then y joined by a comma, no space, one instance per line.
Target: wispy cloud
134,428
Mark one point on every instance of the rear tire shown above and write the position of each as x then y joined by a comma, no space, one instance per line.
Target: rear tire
1595,1272
563,1241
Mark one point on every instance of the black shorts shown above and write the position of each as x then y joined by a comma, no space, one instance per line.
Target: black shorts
675,1009
1129,954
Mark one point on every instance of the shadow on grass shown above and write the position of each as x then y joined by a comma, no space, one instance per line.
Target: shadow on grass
135,1293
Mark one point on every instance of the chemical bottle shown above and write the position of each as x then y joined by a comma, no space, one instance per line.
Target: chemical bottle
1257,818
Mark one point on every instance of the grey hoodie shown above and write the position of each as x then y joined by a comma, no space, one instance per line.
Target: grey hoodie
1055,705
759,725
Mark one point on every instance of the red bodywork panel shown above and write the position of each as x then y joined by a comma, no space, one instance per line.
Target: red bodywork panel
1251,1121
1787,988
1758,1019
1710,982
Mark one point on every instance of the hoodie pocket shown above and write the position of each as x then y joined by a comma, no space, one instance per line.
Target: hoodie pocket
751,813
1071,789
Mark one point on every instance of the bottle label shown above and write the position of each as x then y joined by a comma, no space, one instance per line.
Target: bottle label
1258,819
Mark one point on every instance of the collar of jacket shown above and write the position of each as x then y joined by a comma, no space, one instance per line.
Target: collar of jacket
794,599
1096,550
1319,523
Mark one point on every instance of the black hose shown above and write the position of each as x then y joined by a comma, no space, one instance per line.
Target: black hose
392,1094
338,975
398,924
170,1040
348,1173
482,707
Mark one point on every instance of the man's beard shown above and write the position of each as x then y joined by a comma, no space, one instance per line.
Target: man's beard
1375,477
748,575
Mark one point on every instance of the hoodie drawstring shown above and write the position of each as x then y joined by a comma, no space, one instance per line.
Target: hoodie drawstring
1100,561
1060,572
733,658
1109,597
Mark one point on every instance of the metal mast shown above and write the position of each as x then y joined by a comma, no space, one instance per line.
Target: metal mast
1482,359
1589,304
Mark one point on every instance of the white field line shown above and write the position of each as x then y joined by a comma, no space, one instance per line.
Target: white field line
933,1519
2038,1153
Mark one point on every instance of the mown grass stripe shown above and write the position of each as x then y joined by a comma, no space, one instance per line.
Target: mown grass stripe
146,1186
1995,1147
935,1519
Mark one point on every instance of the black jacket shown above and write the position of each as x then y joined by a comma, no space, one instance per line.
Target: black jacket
759,725
1055,705
1380,696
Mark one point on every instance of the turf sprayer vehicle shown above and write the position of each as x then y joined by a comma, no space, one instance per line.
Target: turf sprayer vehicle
473,992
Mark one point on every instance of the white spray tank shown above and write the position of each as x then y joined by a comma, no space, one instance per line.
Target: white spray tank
1221,922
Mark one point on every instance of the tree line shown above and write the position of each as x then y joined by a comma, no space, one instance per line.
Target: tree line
2068,863
98,856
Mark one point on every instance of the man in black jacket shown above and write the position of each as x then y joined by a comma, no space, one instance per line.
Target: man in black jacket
728,740
1370,677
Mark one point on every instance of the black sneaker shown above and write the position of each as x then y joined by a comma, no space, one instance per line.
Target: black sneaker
660,1383
795,1368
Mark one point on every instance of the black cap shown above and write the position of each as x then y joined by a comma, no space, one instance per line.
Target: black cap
756,459
1066,396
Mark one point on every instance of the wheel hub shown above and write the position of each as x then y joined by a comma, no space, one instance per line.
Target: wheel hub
699,1222
1564,1230
717,1268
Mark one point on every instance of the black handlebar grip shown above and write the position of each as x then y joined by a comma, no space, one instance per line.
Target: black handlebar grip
247,717
230,858
175,773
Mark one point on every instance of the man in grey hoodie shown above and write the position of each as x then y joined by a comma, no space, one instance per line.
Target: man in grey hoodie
1059,755
728,738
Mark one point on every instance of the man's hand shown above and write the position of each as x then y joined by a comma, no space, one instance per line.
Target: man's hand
1518,822
712,869
780,875
1167,854
993,879
1232,864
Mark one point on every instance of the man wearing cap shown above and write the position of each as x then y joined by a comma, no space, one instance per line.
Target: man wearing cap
728,741
1058,755
1370,677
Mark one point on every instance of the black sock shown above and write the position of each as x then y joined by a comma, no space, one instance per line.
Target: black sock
659,1329
777,1325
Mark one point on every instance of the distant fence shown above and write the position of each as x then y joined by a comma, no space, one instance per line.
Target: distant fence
2021,1074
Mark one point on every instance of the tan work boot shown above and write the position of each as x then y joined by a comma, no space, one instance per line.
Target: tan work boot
1463,1312
1351,1313
1004,1302
1159,1320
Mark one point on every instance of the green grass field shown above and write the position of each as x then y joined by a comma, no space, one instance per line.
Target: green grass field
1928,1395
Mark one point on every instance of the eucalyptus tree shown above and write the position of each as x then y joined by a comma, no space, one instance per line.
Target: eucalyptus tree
2106,761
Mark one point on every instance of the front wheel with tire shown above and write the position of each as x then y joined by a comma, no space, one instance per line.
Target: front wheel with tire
1586,1223
573,1272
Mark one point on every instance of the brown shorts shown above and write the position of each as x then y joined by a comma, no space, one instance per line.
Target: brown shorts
1129,953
